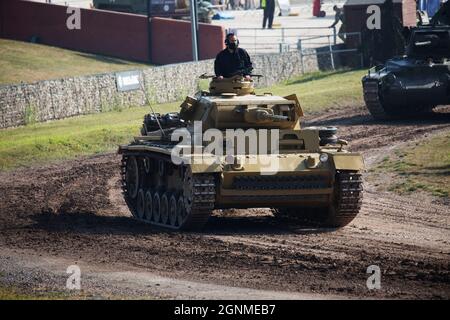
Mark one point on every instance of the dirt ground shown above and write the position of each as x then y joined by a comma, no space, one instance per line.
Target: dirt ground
73,213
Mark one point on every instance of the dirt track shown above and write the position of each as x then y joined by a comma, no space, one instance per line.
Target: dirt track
74,212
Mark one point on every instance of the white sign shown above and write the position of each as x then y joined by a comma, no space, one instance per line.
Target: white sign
128,80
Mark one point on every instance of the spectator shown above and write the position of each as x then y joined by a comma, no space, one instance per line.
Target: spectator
269,10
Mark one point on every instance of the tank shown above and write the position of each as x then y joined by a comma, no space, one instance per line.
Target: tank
173,178
417,82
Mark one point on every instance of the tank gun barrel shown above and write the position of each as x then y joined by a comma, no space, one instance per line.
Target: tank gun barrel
264,115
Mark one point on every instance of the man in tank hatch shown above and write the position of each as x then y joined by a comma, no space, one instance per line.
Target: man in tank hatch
232,60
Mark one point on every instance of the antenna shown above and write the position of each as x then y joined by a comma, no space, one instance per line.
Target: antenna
153,111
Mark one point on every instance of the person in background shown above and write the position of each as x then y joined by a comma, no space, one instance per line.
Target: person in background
269,10
339,16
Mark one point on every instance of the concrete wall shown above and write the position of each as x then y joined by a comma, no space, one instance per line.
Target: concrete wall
57,99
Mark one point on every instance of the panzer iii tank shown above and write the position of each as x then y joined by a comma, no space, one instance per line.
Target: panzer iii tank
171,176
417,82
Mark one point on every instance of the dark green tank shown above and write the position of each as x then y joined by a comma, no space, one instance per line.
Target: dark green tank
418,81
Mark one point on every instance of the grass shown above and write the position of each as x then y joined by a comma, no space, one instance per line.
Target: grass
69,138
29,62
38,143
322,90
423,166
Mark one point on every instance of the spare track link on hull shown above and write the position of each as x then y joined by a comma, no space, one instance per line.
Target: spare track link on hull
346,204
372,99
195,198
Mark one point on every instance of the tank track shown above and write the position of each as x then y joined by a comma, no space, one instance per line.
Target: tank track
347,201
203,199
196,191
372,99
348,198
385,112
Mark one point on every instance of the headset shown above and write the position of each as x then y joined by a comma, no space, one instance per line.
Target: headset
227,40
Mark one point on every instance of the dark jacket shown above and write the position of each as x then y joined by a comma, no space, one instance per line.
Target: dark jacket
229,64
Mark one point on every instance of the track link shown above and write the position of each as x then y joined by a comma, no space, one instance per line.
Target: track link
204,195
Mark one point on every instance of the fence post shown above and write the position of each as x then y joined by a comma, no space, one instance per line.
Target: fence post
334,35
299,48
331,53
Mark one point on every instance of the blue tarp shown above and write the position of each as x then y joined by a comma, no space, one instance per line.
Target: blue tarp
430,6
222,16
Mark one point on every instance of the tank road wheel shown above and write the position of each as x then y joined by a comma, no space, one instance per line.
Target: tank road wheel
186,207
140,205
156,207
181,212
132,177
347,199
164,208
173,210
148,211
147,165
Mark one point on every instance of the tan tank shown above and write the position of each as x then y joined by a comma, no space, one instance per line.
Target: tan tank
174,178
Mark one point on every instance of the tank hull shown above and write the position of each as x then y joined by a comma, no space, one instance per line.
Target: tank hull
406,91
289,182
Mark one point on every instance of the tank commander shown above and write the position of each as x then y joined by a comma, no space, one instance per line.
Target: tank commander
232,60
